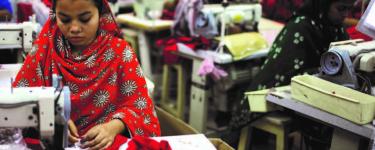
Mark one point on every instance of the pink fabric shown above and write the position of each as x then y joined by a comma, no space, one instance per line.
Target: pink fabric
208,68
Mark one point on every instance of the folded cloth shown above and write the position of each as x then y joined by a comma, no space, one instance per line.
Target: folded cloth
34,144
170,45
119,140
146,143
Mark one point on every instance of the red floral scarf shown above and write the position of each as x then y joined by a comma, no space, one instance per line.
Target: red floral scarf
105,80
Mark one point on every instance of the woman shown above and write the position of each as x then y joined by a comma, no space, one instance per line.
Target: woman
298,47
300,44
82,43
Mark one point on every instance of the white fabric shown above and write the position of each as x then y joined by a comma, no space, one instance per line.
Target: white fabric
41,11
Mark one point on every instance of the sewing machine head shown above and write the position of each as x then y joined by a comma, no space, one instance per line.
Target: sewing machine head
351,64
148,9
248,15
42,108
18,35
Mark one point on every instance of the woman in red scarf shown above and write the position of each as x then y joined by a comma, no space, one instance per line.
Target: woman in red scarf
81,42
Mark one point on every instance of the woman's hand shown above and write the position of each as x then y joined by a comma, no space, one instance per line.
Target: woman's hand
73,132
102,136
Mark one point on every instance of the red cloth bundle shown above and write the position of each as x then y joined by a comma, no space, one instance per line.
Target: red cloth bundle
170,44
24,11
145,143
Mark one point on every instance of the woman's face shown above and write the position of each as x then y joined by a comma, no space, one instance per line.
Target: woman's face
78,20
339,10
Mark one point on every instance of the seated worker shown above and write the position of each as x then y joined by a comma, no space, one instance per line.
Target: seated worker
298,47
5,10
81,42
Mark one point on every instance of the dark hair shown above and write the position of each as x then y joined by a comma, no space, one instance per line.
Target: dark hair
318,9
98,4
314,8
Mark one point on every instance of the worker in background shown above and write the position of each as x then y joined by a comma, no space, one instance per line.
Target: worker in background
297,50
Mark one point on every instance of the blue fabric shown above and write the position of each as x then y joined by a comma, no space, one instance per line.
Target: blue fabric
5,4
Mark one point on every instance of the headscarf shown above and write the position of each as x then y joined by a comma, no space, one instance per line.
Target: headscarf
105,80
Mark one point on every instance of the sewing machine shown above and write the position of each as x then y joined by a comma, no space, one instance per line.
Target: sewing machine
247,14
18,36
47,109
348,109
351,64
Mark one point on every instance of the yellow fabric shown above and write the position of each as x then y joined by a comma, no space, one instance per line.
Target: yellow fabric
243,45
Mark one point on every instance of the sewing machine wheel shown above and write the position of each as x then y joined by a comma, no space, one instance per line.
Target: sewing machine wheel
331,63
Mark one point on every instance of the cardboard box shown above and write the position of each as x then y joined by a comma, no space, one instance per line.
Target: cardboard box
171,125
220,144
